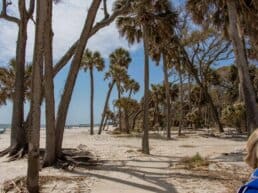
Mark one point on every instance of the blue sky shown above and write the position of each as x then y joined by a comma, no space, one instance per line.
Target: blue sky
68,18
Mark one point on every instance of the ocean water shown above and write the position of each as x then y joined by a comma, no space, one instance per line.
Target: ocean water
5,126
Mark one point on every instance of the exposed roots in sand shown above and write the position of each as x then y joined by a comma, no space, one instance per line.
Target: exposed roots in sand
70,158
48,184
15,153
80,157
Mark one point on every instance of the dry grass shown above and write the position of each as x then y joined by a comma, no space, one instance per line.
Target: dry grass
47,184
187,146
195,161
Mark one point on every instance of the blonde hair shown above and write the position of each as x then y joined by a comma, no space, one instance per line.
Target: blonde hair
251,147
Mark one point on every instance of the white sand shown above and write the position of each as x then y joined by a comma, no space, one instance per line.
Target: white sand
126,170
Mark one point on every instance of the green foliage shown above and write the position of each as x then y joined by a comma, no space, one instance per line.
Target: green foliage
234,115
126,103
194,117
7,80
197,96
92,59
195,161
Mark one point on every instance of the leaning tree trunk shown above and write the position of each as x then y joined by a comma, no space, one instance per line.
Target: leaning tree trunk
191,70
213,109
181,101
145,138
34,131
105,106
18,134
135,117
119,108
91,102
242,65
50,155
105,123
166,85
127,124
72,75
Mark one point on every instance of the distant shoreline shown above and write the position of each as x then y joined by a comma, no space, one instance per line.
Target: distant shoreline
8,126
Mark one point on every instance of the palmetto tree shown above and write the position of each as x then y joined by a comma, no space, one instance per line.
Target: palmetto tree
132,86
90,61
120,60
7,77
127,105
140,22
161,44
234,18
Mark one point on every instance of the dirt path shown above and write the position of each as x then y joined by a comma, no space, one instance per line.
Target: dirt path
124,169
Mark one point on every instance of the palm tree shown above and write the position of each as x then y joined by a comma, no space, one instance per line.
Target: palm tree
89,61
120,58
18,142
127,105
7,77
139,22
233,17
119,62
132,86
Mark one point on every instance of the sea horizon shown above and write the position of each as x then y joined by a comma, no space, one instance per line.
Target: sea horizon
7,126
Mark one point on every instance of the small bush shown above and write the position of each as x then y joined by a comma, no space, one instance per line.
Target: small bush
195,161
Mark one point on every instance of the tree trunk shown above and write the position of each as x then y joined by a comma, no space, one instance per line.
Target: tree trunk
167,107
91,102
105,123
72,75
242,65
191,70
181,101
145,139
18,134
127,125
214,109
34,131
135,117
130,93
50,155
105,106
119,108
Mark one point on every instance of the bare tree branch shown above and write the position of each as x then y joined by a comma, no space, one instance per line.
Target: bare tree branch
4,14
31,10
103,23
106,15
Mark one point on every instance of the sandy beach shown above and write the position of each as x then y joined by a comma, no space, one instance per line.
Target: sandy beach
130,171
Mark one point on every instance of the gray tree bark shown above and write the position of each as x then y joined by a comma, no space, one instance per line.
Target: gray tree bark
50,155
18,134
105,106
168,106
72,75
91,102
34,131
242,65
145,138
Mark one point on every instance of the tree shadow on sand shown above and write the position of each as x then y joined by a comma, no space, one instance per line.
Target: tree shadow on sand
145,180
149,175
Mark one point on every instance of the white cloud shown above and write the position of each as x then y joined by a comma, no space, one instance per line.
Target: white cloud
68,20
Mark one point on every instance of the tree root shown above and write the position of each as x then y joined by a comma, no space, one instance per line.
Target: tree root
79,157
5,152
70,158
15,153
